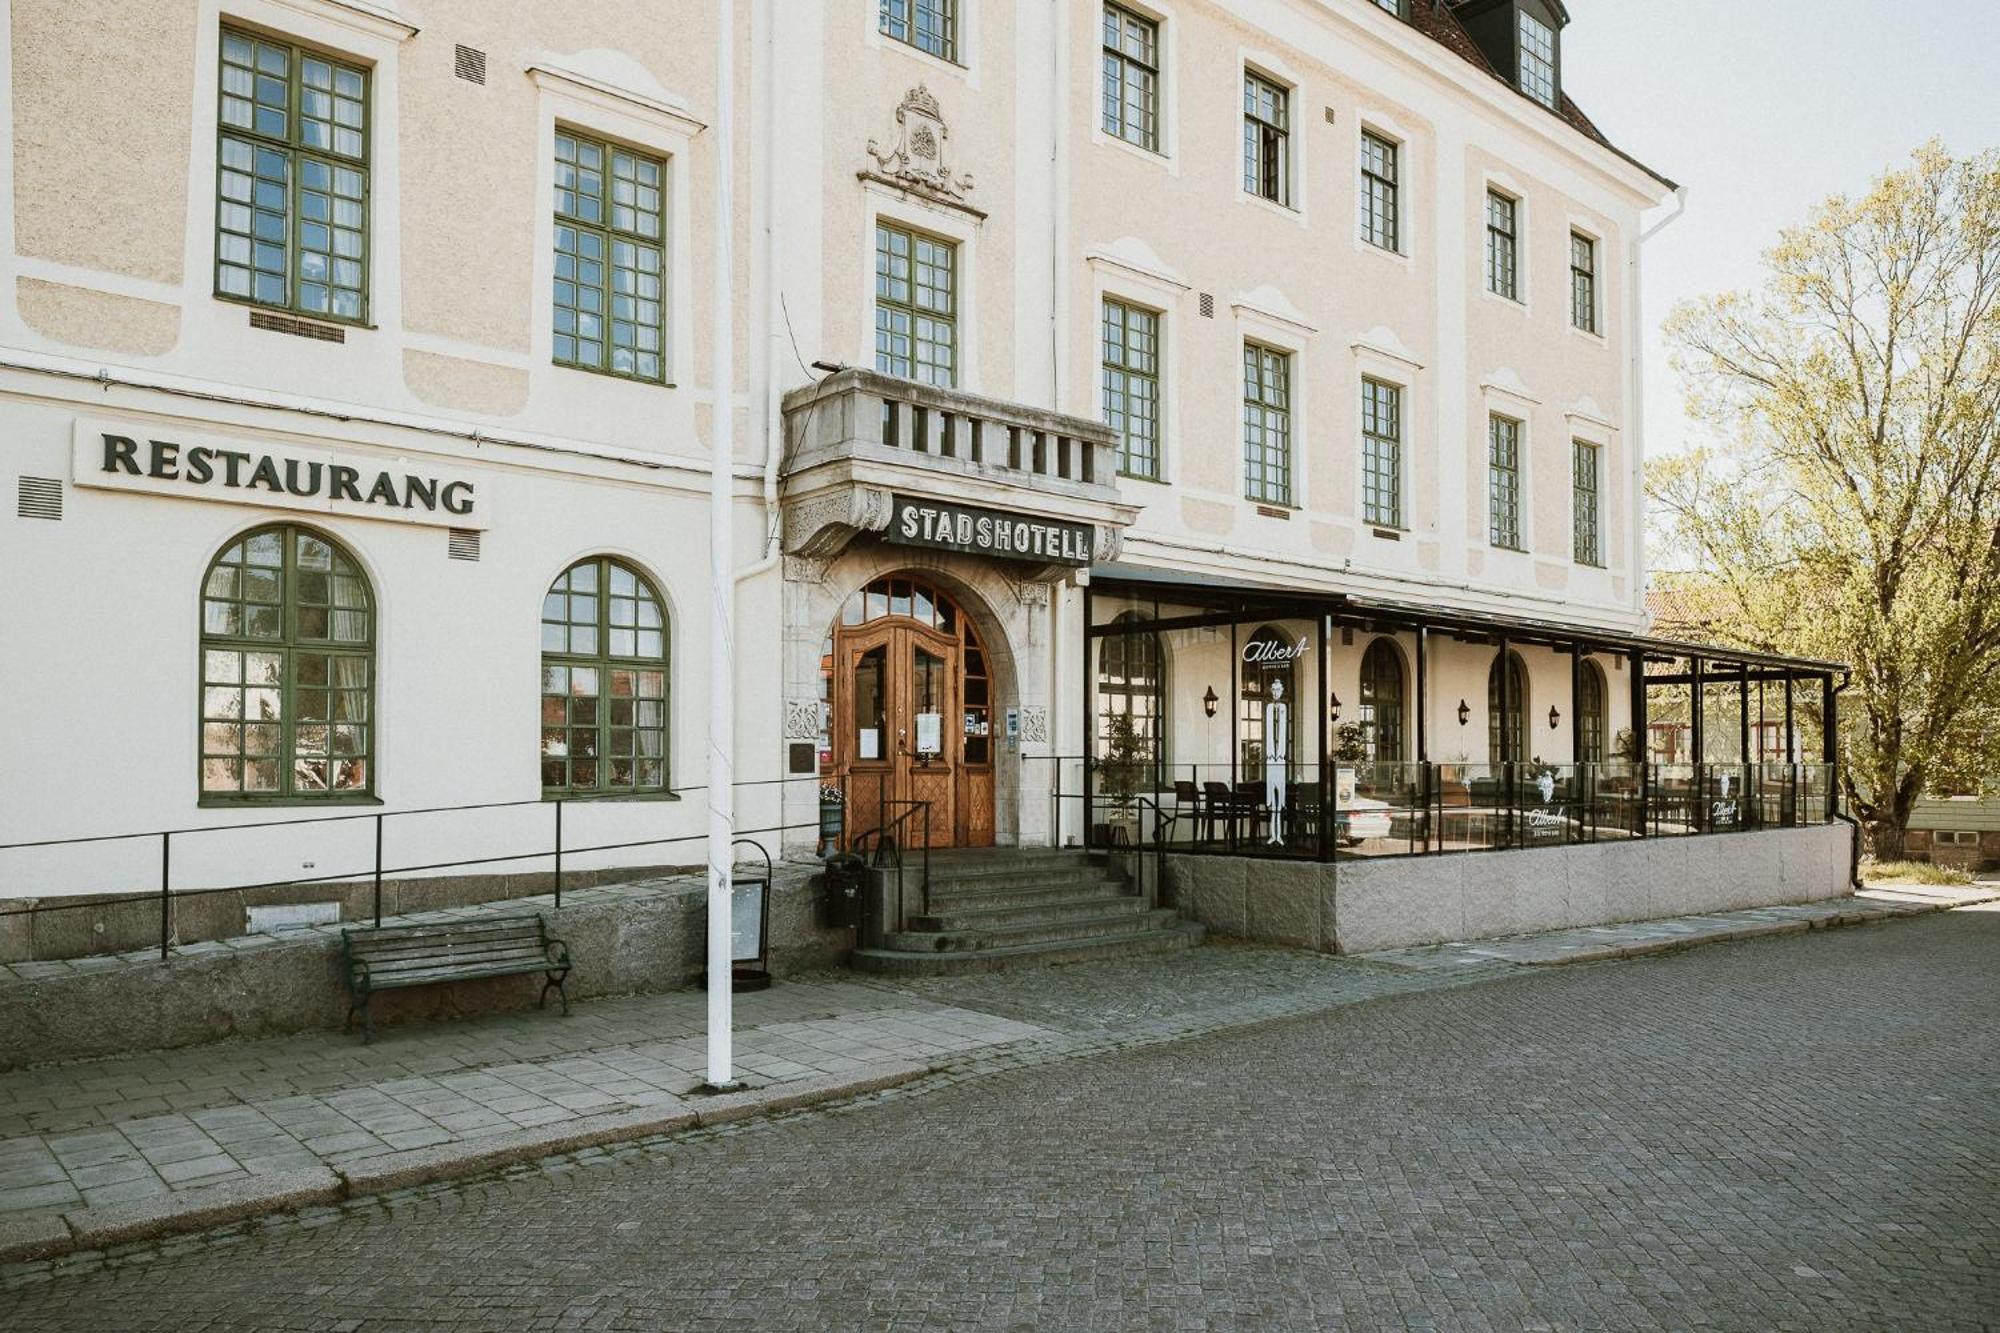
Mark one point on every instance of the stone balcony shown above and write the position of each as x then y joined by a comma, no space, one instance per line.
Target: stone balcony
858,441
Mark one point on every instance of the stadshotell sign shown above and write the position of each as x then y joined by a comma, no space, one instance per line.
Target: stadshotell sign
953,527
126,456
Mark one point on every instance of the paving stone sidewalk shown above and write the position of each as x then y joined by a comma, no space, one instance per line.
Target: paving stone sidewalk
151,1130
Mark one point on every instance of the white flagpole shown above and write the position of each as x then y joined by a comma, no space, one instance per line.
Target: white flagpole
722,581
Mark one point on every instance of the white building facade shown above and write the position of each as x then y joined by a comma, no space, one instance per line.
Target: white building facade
354,364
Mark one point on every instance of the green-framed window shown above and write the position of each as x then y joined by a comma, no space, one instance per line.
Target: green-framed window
1267,424
1584,507
1132,386
916,306
929,25
287,670
1590,714
1583,282
1381,212
1267,113
1131,77
291,180
1381,453
610,234
1502,246
1393,6
1503,481
605,644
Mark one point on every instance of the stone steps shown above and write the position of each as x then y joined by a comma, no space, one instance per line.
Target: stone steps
992,910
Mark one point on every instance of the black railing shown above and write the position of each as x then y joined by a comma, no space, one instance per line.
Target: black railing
888,842
373,874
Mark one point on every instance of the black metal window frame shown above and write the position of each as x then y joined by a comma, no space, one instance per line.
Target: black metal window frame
1267,118
1132,681
1131,77
1503,245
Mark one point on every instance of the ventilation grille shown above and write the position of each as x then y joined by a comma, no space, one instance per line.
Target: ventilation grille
1329,116
1208,305
470,64
464,544
38,497
299,328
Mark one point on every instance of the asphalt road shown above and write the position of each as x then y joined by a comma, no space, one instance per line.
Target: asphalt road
1801,1132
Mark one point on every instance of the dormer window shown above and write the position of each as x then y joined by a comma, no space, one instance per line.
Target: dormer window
1538,59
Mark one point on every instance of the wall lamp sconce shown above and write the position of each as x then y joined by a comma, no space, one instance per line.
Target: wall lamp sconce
1554,717
1208,701
1464,713
1336,708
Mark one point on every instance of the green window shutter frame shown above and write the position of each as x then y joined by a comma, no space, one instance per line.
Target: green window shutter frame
606,684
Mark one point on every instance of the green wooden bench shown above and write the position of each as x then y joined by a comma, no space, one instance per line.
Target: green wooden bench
381,958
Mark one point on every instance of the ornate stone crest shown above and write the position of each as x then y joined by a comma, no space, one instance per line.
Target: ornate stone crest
1034,724
917,162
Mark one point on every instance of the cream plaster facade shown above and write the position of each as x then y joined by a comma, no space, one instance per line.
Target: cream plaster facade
108,308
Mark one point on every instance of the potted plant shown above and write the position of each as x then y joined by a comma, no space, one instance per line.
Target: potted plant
1122,771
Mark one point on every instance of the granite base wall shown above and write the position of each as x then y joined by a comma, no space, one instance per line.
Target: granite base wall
626,938
1393,903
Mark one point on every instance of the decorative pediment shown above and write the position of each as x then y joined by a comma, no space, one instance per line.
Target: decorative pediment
918,162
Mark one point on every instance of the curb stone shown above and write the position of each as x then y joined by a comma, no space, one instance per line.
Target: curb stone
56,1235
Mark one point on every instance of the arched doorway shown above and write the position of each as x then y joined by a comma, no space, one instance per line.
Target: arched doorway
906,687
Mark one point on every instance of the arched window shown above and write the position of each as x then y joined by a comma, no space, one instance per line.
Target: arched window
1131,683
604,682
1590,714
1515,748
287,670
1382,702
1269,658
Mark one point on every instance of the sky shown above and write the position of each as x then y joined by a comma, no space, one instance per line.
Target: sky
1762,108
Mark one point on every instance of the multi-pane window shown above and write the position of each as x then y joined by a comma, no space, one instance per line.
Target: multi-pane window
916,306
291,209
1506,713
1131,683
1590,714
1266,135
1131,77
1393,6
928,25
1538,59
287,670
1381,453
1589,539
1502,246
1267,424
1583,282
1132,386
610,258
1380,223
604,682
1503,485
1382,702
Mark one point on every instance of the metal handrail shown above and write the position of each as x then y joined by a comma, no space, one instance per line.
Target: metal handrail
879,834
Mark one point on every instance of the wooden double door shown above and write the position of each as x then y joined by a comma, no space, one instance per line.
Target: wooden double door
905,731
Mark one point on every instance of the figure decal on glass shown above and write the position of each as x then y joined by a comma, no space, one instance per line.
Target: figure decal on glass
1277,757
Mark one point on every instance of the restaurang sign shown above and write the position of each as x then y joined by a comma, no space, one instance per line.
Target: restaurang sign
953,527
125,456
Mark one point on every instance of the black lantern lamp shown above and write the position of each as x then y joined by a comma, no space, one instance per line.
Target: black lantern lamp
1554,717
1208,702
1464,712
1336,707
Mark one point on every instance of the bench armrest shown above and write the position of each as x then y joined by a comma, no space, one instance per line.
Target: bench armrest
557,950
357,974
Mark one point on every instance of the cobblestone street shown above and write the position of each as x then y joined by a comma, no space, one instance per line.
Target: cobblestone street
1792,1132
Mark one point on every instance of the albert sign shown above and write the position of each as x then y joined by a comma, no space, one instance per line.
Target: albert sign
952,527
127,456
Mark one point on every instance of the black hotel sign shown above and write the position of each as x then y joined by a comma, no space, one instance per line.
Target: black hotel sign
953,527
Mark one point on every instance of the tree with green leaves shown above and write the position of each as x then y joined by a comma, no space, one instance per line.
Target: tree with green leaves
1852,511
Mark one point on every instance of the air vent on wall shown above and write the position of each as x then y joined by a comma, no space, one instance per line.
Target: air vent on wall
298,328
470,64
1329,116
39,497
464,544
1208,305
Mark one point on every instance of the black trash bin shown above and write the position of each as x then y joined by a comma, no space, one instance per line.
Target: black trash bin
845,877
